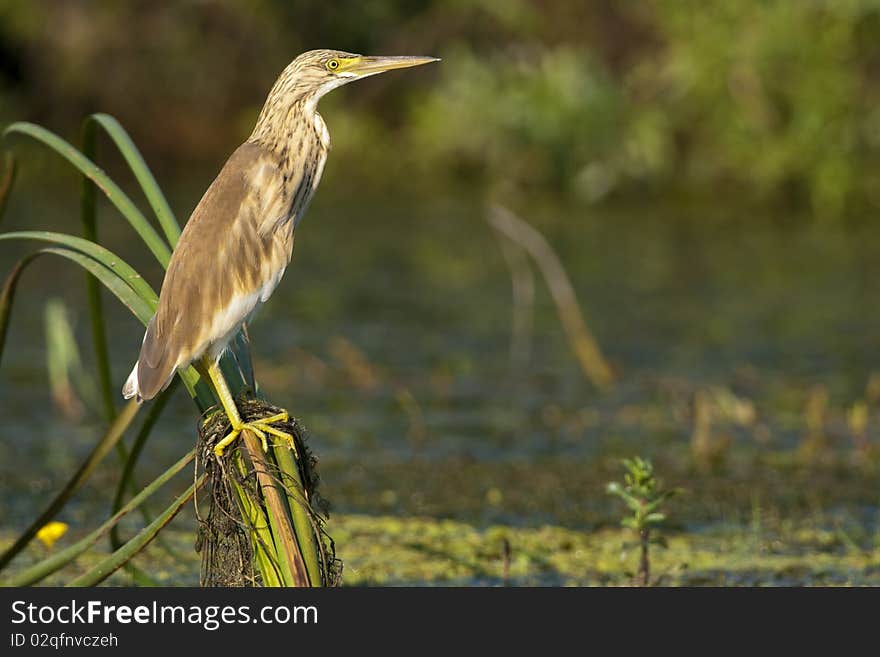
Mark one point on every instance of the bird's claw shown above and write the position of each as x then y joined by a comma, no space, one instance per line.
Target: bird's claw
259,428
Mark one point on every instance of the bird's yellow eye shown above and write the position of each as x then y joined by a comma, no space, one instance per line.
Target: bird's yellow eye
333,64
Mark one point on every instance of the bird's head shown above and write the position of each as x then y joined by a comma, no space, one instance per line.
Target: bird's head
313,74
316,72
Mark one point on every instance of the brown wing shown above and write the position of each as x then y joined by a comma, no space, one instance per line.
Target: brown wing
218,254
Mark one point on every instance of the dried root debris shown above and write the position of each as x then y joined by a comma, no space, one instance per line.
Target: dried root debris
224,538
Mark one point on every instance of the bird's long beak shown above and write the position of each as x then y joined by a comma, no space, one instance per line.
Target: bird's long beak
373,65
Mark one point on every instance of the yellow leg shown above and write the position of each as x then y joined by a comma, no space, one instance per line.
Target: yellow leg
259,427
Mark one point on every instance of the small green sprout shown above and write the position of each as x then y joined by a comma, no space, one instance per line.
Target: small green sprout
643,495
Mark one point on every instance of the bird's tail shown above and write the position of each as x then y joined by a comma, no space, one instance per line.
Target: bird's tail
130,389
153,370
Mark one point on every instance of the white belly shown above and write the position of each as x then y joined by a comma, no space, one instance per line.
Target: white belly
228,321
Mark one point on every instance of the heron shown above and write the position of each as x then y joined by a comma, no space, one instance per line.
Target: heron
239,240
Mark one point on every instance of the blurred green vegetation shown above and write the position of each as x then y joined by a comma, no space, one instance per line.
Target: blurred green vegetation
762,101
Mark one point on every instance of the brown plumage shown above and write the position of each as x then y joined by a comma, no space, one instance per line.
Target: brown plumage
239,239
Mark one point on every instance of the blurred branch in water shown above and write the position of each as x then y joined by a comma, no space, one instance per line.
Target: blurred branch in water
582,342
708,447
364,375
418,430
522,281
815,442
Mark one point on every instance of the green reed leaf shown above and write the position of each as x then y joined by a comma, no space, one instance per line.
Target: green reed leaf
143,538
111,190
141,172
114,433
57,561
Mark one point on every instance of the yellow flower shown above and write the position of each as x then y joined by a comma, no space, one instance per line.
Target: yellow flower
51,532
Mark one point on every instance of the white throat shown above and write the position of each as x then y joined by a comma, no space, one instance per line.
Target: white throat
311,103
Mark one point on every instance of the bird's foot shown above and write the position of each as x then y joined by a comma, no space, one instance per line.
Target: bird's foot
262,429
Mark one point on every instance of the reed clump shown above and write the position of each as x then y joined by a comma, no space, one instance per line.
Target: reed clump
235,533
